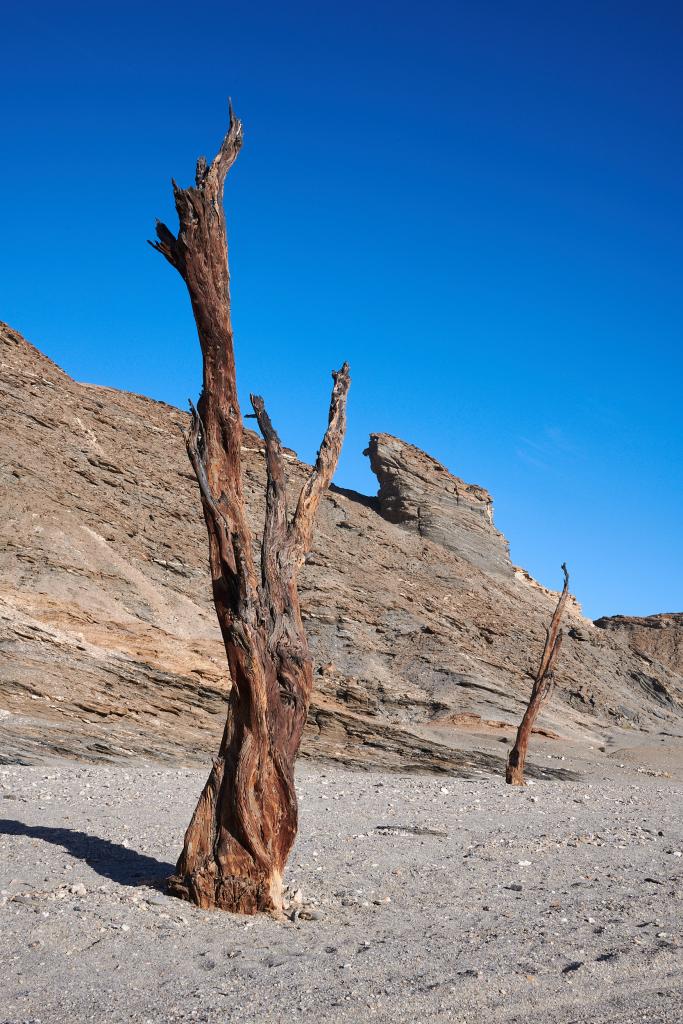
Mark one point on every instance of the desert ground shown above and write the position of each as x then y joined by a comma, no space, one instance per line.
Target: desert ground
423,897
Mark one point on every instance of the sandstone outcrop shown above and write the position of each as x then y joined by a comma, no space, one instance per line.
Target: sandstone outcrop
415,615
419,494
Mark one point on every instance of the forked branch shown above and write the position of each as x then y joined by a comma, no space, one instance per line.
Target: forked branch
301,528
297,536
275,526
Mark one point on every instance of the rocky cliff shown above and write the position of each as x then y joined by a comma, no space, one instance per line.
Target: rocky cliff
419,494
424,636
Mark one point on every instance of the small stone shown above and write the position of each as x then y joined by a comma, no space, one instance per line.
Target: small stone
309,914
77,889
296,898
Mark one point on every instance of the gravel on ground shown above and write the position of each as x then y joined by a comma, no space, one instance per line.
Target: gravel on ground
424,899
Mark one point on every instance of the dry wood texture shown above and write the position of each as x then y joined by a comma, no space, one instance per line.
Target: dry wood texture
243,827
543,683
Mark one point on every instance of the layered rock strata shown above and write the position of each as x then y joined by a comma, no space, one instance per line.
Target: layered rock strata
415,616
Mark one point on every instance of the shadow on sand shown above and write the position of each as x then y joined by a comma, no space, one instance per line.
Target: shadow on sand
111,860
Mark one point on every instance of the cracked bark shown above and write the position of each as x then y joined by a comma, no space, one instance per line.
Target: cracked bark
543,684
245,822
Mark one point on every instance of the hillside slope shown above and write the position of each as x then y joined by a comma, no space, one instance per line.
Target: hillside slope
656,636
417,620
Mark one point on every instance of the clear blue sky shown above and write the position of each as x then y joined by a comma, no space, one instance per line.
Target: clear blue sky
479,205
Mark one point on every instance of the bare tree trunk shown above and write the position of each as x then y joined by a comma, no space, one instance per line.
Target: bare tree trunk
243,827
543,683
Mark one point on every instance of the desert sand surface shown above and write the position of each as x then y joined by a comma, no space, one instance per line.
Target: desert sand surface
423,897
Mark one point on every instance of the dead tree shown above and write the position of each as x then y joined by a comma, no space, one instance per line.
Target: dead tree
243,827
543,684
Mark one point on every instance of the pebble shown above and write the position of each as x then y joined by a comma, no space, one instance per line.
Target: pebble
310,915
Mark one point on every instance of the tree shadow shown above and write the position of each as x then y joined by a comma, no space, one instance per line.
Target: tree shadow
111,860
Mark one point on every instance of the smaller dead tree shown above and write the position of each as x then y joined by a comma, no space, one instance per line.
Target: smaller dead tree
543,684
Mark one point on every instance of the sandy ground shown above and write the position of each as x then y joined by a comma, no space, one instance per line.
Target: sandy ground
435,899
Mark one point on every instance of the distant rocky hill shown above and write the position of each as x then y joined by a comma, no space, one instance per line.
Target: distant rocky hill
424,635
657,636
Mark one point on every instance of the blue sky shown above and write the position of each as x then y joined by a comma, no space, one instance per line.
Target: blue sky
479,205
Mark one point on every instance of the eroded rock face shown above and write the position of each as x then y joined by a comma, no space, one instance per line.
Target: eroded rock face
419,494
110,646
659,636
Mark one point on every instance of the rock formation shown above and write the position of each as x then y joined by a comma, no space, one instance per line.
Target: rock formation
425,638
656,636
419,494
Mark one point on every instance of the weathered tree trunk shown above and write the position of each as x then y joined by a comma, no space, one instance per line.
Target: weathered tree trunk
243,827
543,683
